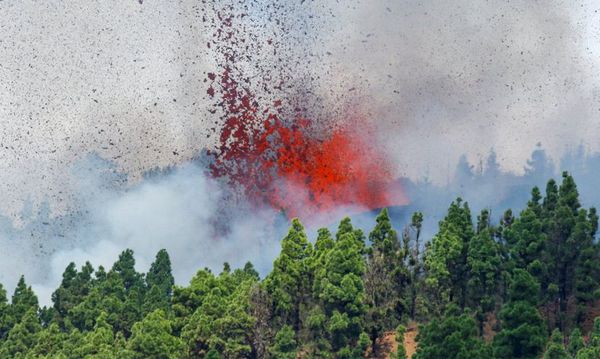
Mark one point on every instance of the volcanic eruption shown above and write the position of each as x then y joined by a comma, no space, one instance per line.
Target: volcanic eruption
280,157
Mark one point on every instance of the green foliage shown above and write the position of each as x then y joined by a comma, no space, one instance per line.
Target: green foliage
7,319
412,244
49,342
160,273
592,350
342,291
285,345
23,301
221,322
73,289
22,337
386,280
484,262
446,259
401,351
571,255
454,336
523,333
576,342
101,342
159,282
556,348
288,281
153,338
527,241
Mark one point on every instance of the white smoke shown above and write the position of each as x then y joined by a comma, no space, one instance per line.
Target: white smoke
178,211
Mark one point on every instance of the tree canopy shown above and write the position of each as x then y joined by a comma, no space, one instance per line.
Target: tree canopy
520,286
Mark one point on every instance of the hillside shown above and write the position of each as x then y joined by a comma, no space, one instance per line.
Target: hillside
523,286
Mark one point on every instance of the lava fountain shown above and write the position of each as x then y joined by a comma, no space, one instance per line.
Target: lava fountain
292,167
290,162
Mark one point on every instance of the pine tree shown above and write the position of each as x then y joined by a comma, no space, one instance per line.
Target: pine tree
401,351
587,266
75,286
526,239
159,284
576,342
288,281
23,300
222,321
311,334
571,256
129,291
49,342
341,291
556,348
107,295
523,333
454,336
153,338
386,279
260,309
446,258
346,227
560,227
7,319
199,332
100,342
125,268
323,245
415,263
22,337
484,262
160,274
285,345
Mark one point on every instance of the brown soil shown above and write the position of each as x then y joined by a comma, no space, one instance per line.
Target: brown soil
410,343
488,327
389,345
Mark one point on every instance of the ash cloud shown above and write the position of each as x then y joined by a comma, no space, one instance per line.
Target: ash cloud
440,80
452,78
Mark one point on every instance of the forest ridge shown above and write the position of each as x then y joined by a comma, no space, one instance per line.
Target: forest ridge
526,286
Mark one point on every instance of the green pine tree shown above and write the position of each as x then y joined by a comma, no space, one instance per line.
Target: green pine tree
484,260
288,281
341,290
284,346
576,342
556,347
523,333
22,337
386,280
153,338
23,300
454,336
